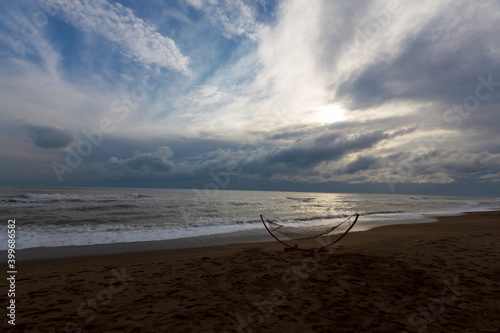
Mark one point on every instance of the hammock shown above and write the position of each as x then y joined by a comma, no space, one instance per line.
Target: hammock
302,233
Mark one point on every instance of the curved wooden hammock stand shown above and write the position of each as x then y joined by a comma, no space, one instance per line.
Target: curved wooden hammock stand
316,249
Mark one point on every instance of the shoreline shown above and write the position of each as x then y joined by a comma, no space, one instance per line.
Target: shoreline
224,239
185,247
59,252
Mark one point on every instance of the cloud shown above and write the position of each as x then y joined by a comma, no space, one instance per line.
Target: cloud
328,146
453,164
205,95
427,166
437,61
494,178
49,136
272,82
233,17
361,163
315,155
157,161
258,82
140,41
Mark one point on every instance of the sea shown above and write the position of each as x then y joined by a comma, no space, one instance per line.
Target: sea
53,217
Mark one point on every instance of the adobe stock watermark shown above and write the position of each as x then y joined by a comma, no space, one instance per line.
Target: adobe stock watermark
370,28
87,310
30,27
120,110
454,118
219,180
293,278
419,321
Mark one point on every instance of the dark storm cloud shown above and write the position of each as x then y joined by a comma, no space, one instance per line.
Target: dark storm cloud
484,122
361,163
319,155
440,62
434,166
456,163
268,157
317,145
326,147
49,136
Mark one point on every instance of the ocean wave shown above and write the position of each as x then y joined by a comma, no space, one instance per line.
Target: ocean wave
384,212
301,199
321,217
106,207
55,197
417,198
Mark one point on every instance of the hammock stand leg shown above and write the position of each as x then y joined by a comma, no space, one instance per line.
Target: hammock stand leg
314,250
288,249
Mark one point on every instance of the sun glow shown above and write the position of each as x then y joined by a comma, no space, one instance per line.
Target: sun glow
329,114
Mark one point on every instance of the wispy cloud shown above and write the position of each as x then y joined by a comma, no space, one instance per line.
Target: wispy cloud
233,17
140,41
205,95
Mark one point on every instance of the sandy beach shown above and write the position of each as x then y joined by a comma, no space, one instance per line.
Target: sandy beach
425,277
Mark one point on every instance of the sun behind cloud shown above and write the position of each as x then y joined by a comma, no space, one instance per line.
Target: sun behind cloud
328,114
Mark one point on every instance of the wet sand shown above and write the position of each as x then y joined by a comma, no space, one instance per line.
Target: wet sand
442,276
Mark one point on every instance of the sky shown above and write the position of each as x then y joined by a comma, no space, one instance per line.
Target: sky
331,96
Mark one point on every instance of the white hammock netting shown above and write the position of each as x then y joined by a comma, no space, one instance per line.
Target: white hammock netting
299,233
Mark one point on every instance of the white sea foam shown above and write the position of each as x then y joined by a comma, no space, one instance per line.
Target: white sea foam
37,236
83,197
